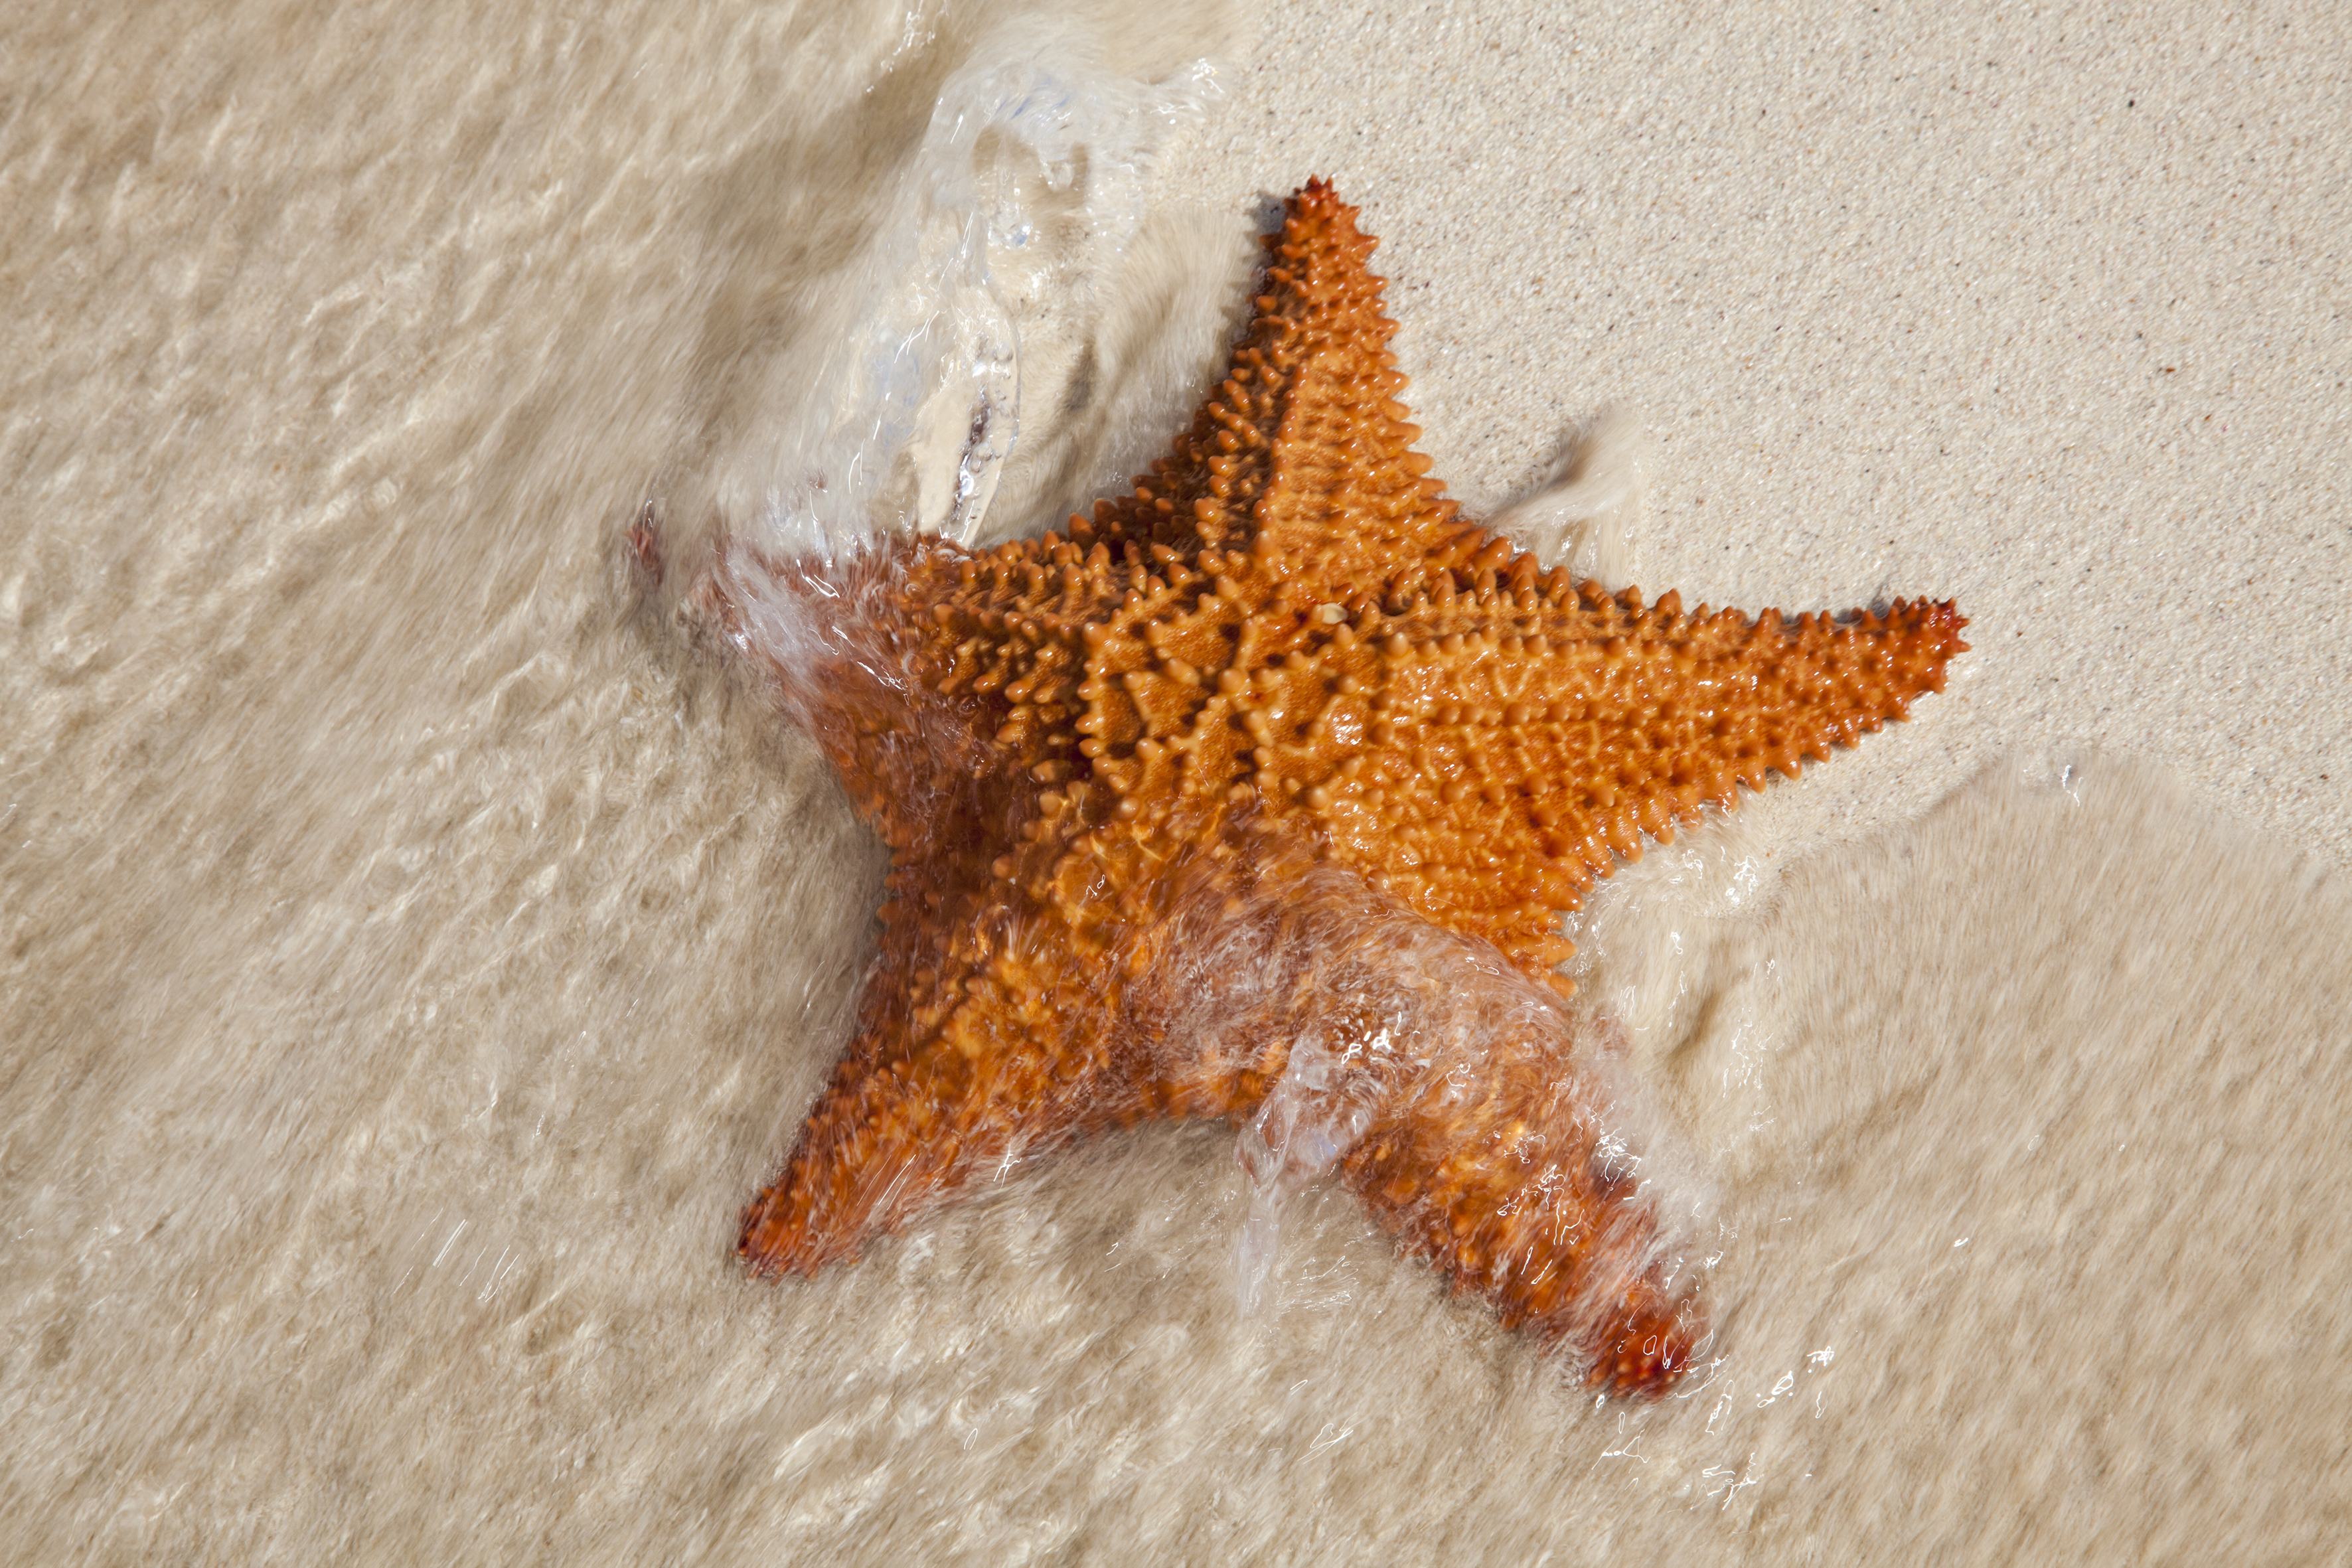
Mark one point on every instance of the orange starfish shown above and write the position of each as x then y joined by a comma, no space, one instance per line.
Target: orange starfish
1262,792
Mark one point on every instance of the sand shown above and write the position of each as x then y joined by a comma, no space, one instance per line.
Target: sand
414,945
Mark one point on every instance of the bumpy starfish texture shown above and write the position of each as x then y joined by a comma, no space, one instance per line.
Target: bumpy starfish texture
1279,755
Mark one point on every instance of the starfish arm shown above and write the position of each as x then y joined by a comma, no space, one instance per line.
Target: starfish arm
1302,456
1519,755
841,647
1518,1191
937,682
945,687
1470,1112
980,1042
1486,745
1097,974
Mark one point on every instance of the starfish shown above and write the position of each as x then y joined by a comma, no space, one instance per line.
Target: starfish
1260,793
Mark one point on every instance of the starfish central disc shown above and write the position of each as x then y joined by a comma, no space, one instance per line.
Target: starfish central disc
1262,790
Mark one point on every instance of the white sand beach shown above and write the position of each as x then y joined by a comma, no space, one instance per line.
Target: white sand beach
415,944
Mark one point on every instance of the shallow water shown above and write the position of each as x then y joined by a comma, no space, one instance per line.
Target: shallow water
416,947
